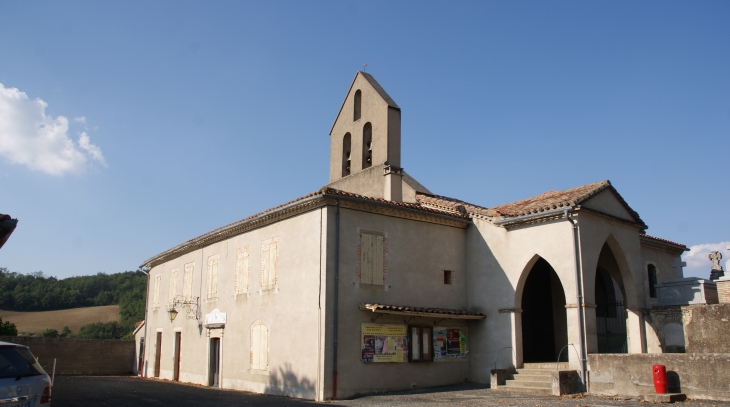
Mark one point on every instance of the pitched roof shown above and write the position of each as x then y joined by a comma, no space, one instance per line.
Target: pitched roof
224,231
379,89
383,94
664,241
569,198
424,311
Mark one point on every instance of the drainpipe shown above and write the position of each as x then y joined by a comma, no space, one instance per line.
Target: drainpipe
579,299
144,335
337,289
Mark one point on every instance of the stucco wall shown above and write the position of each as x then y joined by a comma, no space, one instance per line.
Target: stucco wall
291,310
417,254
90,357
699,376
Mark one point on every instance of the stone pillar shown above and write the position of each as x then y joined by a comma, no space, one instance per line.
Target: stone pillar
571,312
591,329
393,184
635,331
723,289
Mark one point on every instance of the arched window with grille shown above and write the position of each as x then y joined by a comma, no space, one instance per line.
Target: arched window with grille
367,145
358,105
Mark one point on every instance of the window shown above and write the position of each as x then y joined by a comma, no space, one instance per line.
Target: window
259,345
367,146
213,276
448,277
172,292
346,161
156,296
269,263
421,349
371,259
188,281
358,105
651,269
242,270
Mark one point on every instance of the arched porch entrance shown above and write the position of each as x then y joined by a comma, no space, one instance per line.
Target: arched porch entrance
544,321
610,305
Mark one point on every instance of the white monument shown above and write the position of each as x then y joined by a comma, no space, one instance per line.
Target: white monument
685,291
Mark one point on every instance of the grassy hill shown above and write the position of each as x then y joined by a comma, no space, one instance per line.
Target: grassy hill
37,321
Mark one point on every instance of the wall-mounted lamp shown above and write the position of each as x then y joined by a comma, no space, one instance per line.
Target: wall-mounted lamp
172,313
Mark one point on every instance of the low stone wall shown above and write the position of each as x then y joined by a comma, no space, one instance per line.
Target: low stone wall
91,357
707,328
698,375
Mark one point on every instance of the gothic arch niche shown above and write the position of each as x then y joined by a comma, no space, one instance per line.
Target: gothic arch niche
357,111
610,304
346,150
544,320
367,145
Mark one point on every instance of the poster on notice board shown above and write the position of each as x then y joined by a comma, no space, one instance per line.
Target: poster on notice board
449,343
384,343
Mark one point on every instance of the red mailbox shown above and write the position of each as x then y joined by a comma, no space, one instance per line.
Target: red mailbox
660,379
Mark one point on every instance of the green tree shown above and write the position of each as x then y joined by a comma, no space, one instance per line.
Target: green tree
8,328
49,333
100,330
65,332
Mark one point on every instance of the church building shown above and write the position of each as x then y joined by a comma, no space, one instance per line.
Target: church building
375,283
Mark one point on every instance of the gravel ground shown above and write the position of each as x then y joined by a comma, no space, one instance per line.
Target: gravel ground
88,391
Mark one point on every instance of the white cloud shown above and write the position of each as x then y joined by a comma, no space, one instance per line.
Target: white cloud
81,119
698,263
40,142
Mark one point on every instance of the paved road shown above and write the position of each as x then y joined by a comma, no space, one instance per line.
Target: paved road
86,391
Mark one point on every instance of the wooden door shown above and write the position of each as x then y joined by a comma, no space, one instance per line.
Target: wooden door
158,354
178,341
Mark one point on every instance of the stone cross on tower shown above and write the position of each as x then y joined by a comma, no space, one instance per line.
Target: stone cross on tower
677,265
716,272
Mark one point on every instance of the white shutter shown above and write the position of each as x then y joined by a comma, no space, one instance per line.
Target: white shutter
156,302
366,259
264,348
273,249
172,291
209,277
188,282
214,288
265,249
377,265
245,272
239,271
255,347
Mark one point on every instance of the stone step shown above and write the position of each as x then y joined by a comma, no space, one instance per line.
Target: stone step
547,365
530,390
536,372
532,378
539,385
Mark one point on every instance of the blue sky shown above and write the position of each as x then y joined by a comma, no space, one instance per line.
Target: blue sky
164,120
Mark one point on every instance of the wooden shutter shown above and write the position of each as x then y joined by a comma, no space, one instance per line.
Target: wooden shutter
371,259
366,258
255,347
188,282
273,249
264,348
156,301
172,291
210,278
239,271
265,250
214,287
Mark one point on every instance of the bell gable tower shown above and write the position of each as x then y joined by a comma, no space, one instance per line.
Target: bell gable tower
365,141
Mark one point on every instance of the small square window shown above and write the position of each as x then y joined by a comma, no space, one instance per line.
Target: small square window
448,277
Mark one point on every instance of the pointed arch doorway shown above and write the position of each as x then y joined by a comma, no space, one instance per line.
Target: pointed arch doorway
611,332
544,320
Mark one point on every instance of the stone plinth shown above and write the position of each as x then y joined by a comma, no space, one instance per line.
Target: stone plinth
663,398
723,290
686,291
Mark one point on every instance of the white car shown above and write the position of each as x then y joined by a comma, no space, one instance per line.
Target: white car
23,382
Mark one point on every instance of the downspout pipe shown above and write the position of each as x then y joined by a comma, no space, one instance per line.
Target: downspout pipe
579,299
336,299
